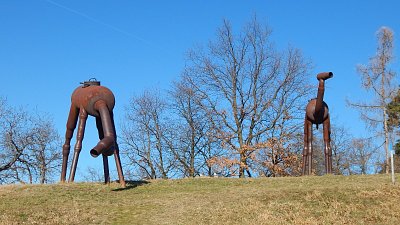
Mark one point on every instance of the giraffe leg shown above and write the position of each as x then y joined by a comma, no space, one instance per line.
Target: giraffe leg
327,143
104,146
71,124
105,158
305,149
106,170
116,156
310,147
78,146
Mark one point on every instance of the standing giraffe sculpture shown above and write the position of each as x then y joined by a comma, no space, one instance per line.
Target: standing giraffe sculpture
92,99
317,112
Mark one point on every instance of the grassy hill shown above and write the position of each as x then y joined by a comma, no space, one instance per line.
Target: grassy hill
293,200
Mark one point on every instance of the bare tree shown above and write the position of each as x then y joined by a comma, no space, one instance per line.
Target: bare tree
209,148
44,155
248,88
190,140
143,136
340,144
28,146
361,155
190,130
377,77
93,175
318,155
16,136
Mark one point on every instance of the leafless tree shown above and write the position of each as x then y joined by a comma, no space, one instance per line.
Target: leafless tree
93,175
44,155
248,89
16,136
29,146
378,78
143,136
210,148
190,140
318,154
340,144
361,155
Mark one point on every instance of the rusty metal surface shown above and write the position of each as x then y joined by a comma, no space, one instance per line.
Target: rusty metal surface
98,101
317,112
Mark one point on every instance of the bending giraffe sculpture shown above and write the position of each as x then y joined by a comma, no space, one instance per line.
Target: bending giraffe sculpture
317,112
98,101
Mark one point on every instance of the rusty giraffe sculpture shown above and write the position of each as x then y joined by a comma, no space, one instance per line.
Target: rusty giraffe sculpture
317,112
98,101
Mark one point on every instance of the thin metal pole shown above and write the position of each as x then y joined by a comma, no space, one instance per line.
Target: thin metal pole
392,166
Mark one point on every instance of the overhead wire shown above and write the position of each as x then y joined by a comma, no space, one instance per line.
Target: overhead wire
112,27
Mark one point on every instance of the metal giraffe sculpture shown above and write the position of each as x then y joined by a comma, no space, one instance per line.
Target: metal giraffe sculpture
317,112
98,101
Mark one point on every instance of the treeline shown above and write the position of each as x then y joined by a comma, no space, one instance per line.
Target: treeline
237,110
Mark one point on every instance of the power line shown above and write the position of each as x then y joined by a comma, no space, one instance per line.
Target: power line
84,15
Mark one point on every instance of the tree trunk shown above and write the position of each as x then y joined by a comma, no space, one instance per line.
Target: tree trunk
42,165
43,173
386,133
192,151
385,125
242,165
149,158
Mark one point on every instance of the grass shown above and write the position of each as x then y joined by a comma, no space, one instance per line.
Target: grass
293,200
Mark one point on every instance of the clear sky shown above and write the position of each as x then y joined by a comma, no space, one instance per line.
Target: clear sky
48,46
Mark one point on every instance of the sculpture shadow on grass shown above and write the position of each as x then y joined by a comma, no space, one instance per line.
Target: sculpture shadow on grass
132,184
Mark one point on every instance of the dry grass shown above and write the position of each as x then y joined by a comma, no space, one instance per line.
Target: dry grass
295,200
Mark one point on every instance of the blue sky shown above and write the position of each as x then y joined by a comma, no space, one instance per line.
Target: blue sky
48,47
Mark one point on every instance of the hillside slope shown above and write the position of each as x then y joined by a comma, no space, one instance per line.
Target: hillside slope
292,200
